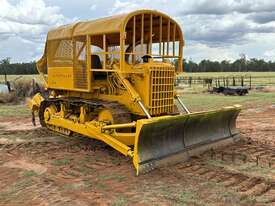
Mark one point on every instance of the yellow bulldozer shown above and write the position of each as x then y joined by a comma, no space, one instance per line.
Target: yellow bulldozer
112,79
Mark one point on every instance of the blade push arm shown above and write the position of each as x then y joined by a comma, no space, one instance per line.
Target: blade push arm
134,95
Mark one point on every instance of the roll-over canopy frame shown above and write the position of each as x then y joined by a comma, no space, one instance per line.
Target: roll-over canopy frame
142,32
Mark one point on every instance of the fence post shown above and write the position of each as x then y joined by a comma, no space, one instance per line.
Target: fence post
227,82
190,81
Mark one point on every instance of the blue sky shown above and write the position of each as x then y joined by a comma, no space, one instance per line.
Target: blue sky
213,29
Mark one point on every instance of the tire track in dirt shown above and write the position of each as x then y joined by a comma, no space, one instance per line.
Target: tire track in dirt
246,151
244,184
261,188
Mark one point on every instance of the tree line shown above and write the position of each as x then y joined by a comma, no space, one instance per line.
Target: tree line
239,65
17,68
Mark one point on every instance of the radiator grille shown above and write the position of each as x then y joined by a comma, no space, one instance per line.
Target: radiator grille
162,90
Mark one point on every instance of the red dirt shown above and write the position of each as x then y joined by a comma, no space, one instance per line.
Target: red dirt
16,123
38,167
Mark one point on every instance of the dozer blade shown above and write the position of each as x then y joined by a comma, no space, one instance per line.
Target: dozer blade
170,139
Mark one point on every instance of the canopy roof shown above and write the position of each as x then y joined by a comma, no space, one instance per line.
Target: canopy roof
112,24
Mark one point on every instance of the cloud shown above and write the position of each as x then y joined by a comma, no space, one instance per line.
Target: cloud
24,25
262,17
225,7
93,7
197,51
220,23
122,6
125,6
30,12
213,30
270,53
201,7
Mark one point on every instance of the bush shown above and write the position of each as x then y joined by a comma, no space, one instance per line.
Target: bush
23,88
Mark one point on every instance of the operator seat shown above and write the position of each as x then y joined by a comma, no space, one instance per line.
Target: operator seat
96,64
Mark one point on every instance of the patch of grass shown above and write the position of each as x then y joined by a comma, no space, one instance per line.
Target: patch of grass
88,183
188,195
189,198
29,173
116,161
249,168
225,194
229,197
62,162
86,170
120,201
263,199
114,176
11,194
95,184
73,186
265,172
14,111
87,159
216,163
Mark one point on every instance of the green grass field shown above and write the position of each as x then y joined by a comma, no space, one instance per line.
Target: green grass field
205,101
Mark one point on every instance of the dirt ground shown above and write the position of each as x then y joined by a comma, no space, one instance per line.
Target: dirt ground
38,167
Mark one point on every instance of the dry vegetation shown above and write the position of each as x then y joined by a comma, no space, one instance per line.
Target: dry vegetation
21,89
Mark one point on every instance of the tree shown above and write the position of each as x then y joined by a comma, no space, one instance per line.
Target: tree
3,64
5,61
193,67
225,66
